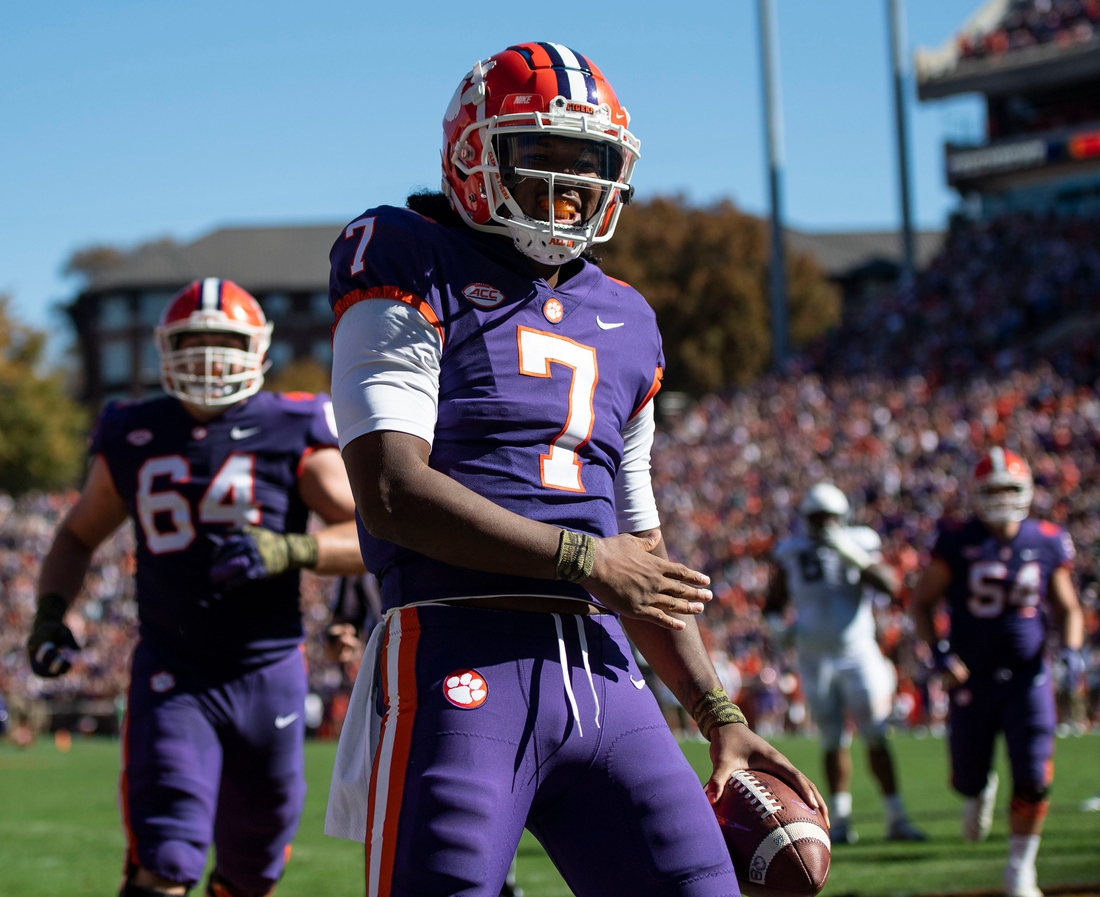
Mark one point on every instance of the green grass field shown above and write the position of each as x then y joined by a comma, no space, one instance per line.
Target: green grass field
60,834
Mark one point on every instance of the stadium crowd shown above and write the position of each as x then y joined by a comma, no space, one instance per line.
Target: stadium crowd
991,345
1028,23
999,296
728,471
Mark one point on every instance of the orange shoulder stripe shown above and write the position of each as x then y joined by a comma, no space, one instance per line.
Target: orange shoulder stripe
348,300
653,390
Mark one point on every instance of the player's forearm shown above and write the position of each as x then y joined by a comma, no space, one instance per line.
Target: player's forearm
1071,625
883,578
338,551
64,566
924,624
408,503
677,657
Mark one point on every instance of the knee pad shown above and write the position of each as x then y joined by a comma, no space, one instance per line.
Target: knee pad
1029,802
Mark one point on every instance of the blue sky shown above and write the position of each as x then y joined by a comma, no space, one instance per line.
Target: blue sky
125,121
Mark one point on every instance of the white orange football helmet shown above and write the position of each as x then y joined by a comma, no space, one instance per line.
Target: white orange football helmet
1003,487
500,110
213,375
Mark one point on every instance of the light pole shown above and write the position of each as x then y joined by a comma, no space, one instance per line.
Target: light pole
773,140
895,10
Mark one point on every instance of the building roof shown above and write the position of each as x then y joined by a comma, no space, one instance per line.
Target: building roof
258,258
295,258
843,252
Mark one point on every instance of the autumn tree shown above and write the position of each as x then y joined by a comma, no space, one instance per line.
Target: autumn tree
705,272
41,429
301,375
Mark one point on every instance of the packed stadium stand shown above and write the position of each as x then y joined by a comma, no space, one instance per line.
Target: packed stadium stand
993,343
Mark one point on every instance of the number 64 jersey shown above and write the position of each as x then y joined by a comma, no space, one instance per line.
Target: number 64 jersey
997,595
536,385
184,481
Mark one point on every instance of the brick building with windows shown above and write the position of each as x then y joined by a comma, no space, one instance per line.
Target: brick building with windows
285,268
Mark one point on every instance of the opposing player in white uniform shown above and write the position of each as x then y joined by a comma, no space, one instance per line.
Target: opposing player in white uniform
823,574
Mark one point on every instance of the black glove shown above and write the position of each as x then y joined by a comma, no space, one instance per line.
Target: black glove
50,638
257,553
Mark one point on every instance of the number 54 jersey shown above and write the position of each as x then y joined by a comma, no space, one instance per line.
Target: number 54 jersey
997,595
184,481
536,384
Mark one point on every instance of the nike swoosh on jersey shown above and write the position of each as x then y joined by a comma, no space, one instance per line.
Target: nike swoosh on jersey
238,433
637,683
281,722
610,326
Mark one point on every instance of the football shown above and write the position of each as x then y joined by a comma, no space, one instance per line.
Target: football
779,845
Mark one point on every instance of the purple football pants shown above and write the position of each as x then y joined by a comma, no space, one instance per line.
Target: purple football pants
1020,704
217,764
482,734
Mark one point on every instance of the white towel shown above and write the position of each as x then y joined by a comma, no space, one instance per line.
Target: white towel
346,816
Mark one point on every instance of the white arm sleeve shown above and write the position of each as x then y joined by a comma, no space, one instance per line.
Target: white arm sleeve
385,371
635,506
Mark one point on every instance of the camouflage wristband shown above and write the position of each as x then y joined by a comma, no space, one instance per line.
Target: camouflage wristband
576,555
715,708
284,551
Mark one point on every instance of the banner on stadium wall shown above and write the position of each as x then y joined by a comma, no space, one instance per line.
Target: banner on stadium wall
1020,155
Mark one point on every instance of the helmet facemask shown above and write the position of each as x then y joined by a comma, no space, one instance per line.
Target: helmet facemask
1001,500
213,375
576,165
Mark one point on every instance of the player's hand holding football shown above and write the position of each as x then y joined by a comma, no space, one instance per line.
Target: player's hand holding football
50,638
629,579
257,553
735,746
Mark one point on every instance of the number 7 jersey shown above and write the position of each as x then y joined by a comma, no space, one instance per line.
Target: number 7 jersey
997,595
536,384
183,481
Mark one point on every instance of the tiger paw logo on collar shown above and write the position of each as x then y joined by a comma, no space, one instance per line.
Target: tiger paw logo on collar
553,310
466,689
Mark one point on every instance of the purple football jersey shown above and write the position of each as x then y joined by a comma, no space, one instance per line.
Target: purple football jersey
183,481
536,384
998,590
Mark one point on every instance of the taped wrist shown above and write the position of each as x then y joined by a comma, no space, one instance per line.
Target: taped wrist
576,555
715,708
51,609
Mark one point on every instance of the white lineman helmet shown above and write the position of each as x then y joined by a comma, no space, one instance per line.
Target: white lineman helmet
824,498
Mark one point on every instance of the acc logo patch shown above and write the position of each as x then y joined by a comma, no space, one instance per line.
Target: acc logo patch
139,437
553,310
198,433
162,682
963,697
483,296
466,689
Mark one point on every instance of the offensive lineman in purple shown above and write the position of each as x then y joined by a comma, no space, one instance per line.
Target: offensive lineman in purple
1005,577
219,479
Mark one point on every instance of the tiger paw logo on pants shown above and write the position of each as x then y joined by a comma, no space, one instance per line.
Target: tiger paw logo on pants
466,689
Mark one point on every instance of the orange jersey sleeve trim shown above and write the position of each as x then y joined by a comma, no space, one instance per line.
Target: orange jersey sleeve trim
653,390
348,300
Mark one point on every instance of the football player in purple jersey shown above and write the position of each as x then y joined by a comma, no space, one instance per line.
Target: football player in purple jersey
1004,575
493,392
219,479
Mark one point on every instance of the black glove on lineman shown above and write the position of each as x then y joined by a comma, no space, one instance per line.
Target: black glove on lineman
50,637
257,553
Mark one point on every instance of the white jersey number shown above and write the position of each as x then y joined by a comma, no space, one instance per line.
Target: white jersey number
560,468
228,499
989,590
